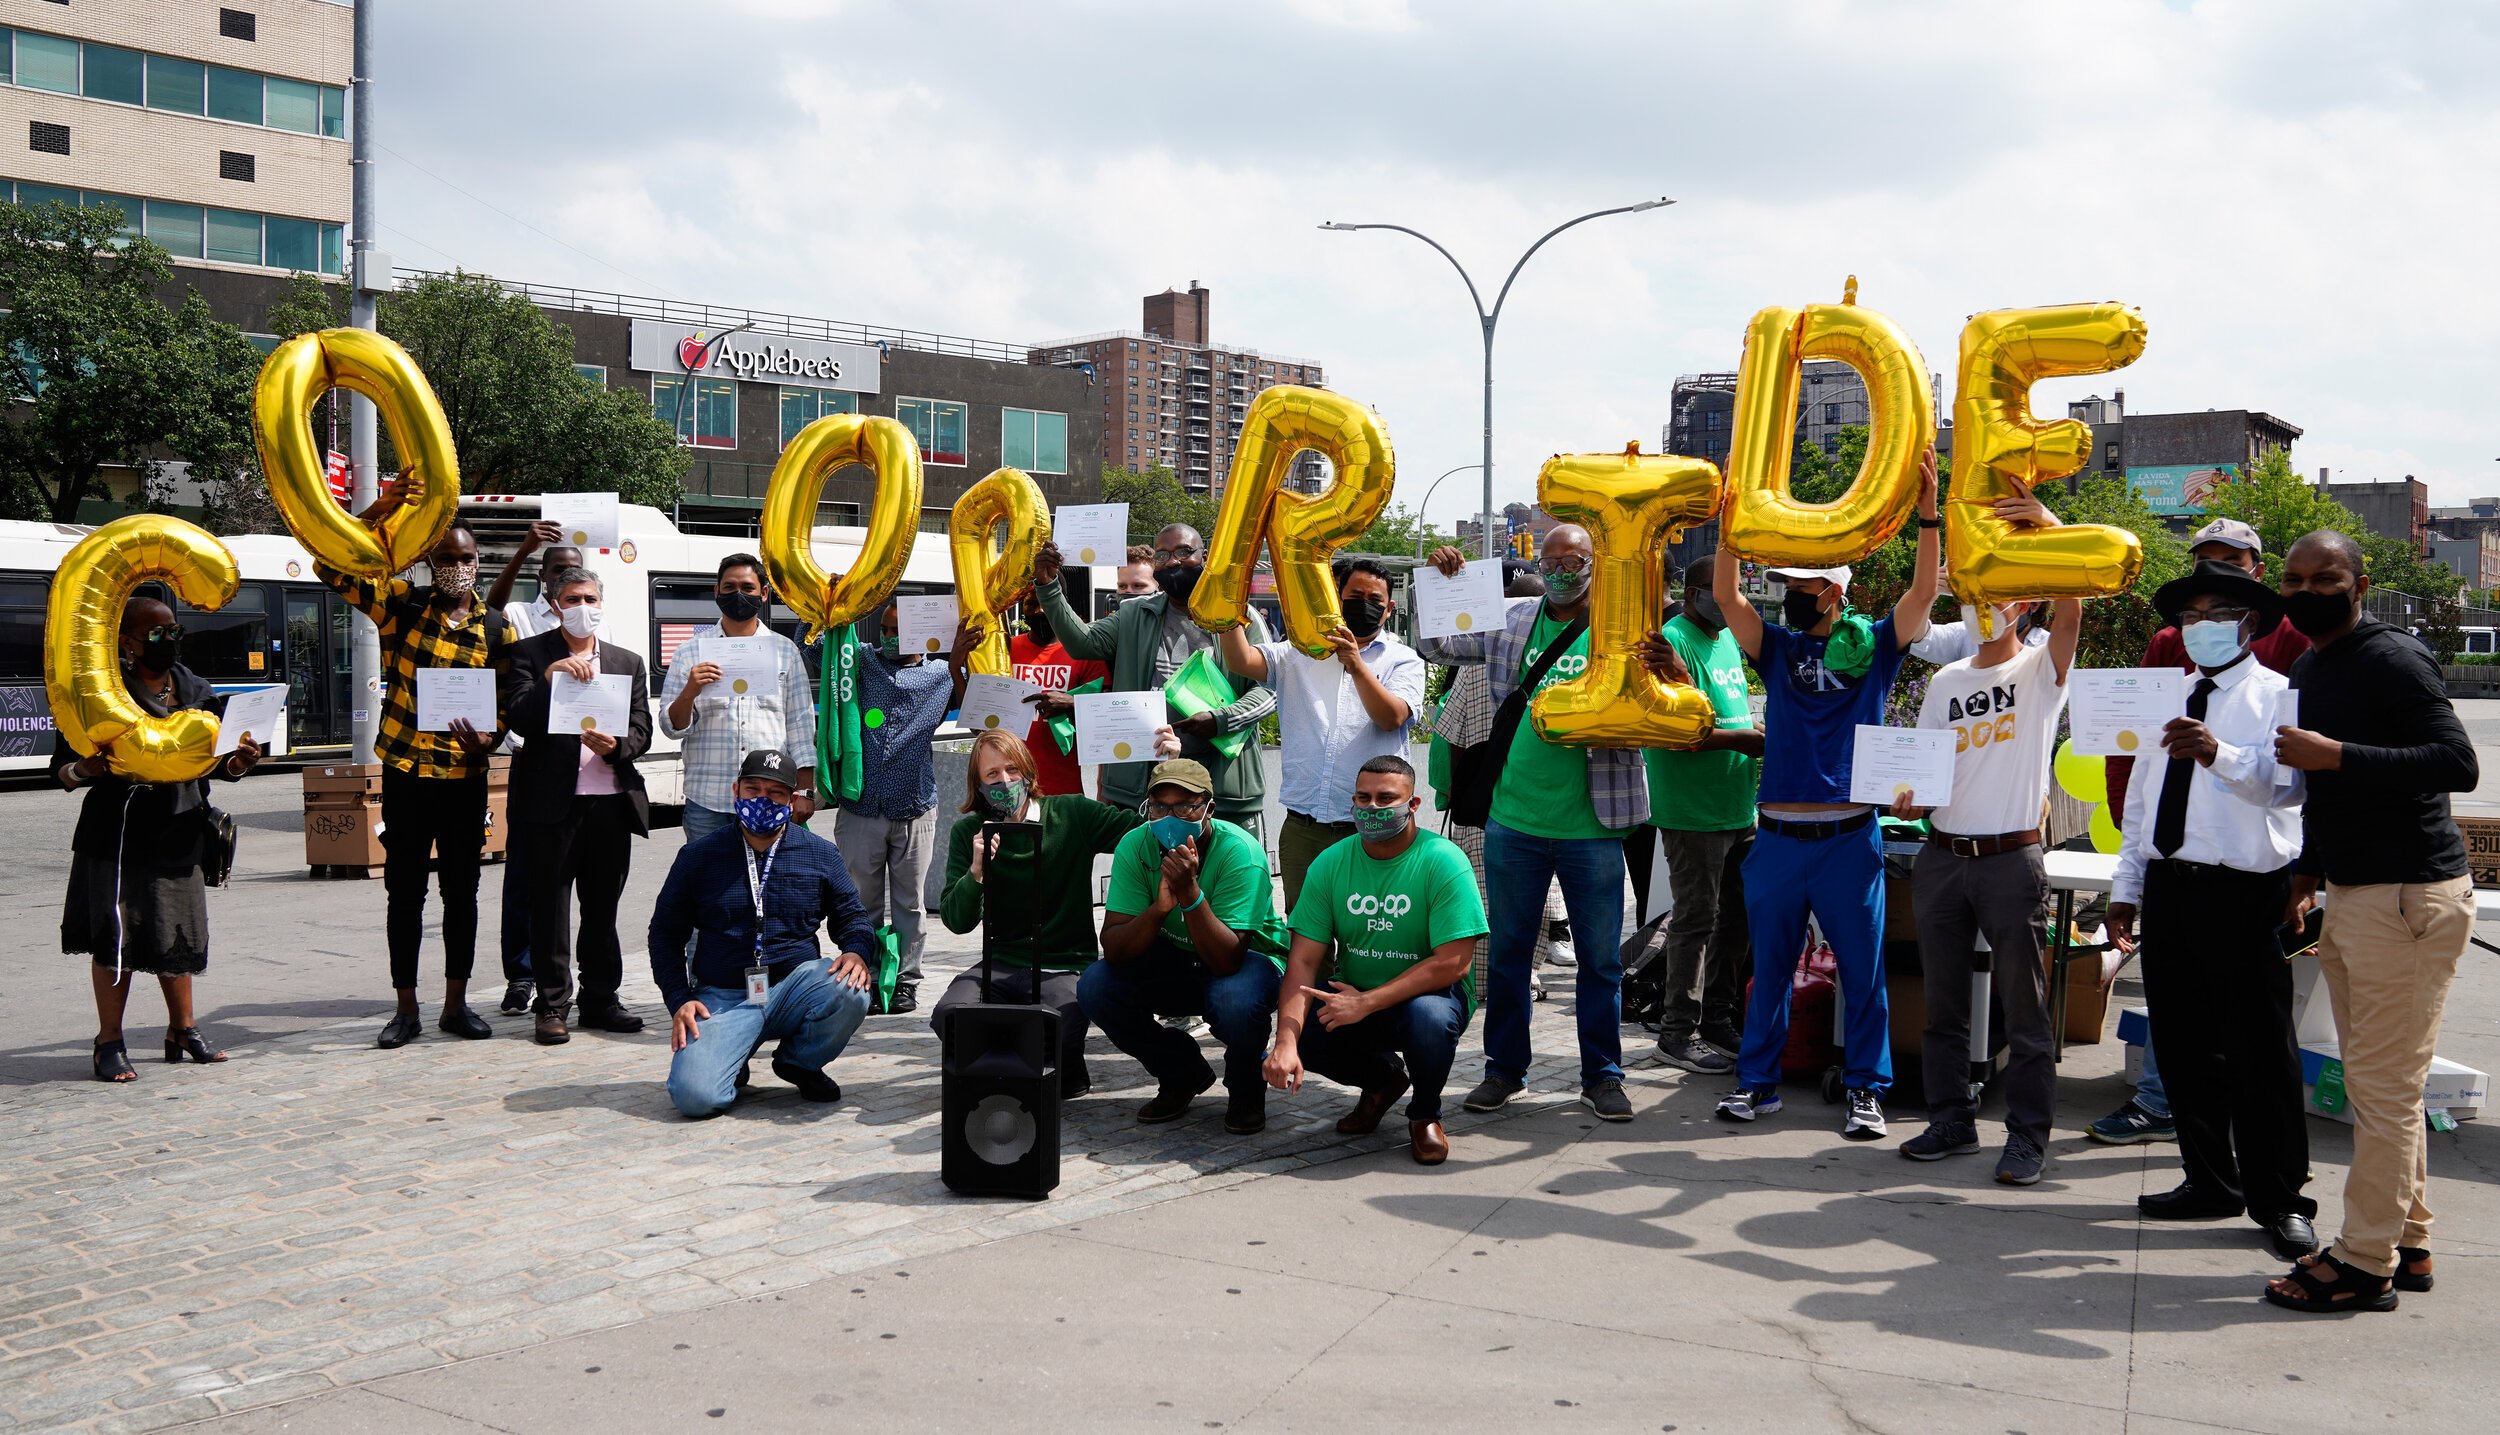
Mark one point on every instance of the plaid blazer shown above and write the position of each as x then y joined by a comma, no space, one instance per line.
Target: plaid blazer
1618,776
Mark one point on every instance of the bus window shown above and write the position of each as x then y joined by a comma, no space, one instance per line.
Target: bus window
21,630
230,645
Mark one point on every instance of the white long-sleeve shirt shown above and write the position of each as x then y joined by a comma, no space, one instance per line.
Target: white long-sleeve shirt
1944,643
2238,815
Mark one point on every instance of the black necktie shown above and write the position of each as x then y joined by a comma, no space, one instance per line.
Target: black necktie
2170,819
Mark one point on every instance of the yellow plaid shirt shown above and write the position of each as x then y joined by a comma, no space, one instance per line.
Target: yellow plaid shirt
417,632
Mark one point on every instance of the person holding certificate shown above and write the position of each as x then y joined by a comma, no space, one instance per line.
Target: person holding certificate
528,620
1825,669
581,798
1983,874
433,778
731,688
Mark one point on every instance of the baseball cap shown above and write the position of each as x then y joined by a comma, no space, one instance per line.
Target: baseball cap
2232,532
1839,576
1187,774
772,764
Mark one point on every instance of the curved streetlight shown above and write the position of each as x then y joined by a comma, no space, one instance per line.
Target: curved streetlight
1487,320
1423,511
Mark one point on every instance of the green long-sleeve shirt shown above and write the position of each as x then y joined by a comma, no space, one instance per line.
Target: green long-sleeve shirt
1054,887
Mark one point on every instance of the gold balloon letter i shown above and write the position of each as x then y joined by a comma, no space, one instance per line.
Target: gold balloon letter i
82,650
1633,506
2000,451
990,575
788,528
297,373
1303,531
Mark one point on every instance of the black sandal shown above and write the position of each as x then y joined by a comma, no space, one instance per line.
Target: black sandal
2351,1289
112,1062
187,1041
2406,1277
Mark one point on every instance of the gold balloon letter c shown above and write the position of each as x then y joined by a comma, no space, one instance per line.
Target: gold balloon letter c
789,521
82,651
1303,532
298,373
989,575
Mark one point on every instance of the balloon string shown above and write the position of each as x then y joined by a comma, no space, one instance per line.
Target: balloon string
121,856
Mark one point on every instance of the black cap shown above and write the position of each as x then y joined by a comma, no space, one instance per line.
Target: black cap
2227,580
772,763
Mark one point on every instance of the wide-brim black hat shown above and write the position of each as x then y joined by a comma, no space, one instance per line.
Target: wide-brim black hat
2225,580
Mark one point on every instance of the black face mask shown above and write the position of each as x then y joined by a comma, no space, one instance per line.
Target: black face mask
1179,581
1801,610
739,606
1037,627
1363,616
2318,614
1704,609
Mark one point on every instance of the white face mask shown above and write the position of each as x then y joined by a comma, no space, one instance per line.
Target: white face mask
2004,619
584,620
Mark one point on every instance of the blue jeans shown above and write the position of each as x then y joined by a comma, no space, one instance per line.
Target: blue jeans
1840,880
1124,1000
2149,1092
812,1014
1425,1029
702,822
1517,870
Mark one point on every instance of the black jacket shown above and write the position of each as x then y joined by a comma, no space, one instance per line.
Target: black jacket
2382,817
543,774
167,820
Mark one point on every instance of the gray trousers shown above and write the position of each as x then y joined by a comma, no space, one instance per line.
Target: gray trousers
2002,898
1709,953
889,862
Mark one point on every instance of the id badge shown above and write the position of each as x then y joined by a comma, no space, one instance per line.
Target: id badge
759,985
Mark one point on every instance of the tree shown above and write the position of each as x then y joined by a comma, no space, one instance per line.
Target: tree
234,494
521,419
2271,497
1156,500
2116,628
1814,477
102,370
1397,530
2440,629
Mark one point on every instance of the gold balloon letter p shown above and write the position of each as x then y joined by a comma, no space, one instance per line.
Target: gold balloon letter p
1303,532
82,650
297,373
988,575
1633,505
787,531
2000,451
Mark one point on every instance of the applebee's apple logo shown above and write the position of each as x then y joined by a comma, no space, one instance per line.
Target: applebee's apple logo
696,352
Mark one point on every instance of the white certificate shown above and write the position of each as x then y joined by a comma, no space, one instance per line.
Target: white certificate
1890,760
598,705
588,519
749,667
258,713
1091,535
2120,712
991,701
444,694
1468,603
928,624
2286,714
1118,727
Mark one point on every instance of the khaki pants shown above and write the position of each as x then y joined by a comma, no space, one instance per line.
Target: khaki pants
2388,953
1299,841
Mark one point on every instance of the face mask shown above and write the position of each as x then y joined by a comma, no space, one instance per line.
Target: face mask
739,607
1704,609
2318,614
1563,585
891,645
2211,645
763,816
1037,627
456,580
1801,610
2004,618
1004,798
1172,831
1377,823
1363,616
1179,581
584,620
158,655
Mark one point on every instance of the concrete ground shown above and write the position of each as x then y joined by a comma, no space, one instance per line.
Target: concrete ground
494,1236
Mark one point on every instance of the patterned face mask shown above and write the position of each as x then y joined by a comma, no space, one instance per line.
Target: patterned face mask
763,816
1381,822
456,579
1004,798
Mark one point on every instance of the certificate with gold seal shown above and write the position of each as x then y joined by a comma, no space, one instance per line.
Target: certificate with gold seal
2120,712
1118,727
1469,603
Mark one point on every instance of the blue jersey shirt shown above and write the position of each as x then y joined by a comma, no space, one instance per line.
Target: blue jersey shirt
1810,715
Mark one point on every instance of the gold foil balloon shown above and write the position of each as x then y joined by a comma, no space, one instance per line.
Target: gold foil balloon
990,575
2000,451
789,523
1303,531
297,373
1763,522
1633,505
82,673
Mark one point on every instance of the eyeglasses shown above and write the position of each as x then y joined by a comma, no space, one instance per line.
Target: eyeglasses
1562,565
1181,554
162,633
1186,807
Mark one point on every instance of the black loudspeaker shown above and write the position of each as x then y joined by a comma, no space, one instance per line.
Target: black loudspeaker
999,1077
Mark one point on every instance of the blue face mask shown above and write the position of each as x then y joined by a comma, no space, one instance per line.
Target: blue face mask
2211,645
1172,831
763,816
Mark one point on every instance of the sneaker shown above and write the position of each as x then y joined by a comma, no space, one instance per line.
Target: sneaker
2021,1163
1866,1117
1744,1104
1492,1095
1693,1054
2130,1124
1562,954
1942,1139
1536,986
1726,1038
517,997
1606,1098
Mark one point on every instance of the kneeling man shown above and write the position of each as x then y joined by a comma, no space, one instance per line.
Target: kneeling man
1393,913
751,897
1189,927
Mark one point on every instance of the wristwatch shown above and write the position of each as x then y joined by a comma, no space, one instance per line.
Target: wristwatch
1931,523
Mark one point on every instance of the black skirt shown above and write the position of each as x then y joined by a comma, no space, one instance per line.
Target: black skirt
162,926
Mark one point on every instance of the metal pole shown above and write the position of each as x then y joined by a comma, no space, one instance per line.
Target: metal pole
1423,515
1489,321
365,697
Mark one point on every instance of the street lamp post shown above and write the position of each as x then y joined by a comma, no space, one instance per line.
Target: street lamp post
1486,320
1423,512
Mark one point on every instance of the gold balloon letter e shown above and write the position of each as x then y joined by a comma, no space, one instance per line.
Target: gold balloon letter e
1303,532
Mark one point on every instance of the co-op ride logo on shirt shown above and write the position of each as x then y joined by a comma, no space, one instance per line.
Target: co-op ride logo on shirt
1382,912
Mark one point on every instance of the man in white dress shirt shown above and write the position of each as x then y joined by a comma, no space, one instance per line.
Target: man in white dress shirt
2206,858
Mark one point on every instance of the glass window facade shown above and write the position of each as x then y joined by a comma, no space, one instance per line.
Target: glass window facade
116,75
1035,441
291,105
229,236
175,228
939,426
233,95
293,243
234,236
46,62
803,406
705,416
177,85
165,82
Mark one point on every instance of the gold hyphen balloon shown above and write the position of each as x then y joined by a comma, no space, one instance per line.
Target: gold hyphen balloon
1633,505
1763,522
2000,450
82,651
990,575
789,522
1303,531
296,375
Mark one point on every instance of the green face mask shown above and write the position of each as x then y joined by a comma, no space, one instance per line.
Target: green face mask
1378,823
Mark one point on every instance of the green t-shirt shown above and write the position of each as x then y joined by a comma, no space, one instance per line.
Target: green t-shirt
1232,872
1379,918
1049,888
1707,791
1544,788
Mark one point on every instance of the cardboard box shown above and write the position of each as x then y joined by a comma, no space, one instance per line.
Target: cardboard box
2453,1087
2088,980
2481,831
343,834
344,780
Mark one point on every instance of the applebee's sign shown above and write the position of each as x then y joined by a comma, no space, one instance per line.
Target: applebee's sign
664,348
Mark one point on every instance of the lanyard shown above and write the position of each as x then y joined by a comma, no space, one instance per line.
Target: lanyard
755,888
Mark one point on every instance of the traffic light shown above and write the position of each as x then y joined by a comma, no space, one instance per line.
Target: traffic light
1523,546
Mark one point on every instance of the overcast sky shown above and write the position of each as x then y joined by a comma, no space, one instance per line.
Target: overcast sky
2301,195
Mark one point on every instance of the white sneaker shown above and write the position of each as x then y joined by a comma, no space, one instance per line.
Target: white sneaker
1562,954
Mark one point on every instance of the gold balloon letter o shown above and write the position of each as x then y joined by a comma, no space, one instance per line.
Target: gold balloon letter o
82,652
297,374
789,521
989,576
1303,531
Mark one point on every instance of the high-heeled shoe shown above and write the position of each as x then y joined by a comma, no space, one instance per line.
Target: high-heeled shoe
112,1062
187,1041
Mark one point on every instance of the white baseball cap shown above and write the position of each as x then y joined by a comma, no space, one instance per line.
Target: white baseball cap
2229,531
1839,576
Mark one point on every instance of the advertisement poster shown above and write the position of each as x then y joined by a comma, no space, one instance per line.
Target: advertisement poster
2180,487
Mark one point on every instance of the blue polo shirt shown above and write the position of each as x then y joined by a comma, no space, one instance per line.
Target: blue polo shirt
1811,714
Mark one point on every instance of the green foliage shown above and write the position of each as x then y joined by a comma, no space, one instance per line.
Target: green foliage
1156,500
1397,530
2271,497
1814,477
2440,629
